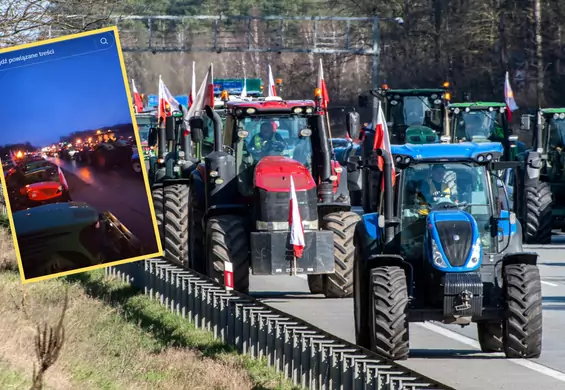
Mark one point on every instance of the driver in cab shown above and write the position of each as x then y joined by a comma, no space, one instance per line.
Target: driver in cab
263,141
433,189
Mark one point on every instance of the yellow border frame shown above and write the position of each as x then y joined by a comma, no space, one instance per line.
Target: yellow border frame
114,29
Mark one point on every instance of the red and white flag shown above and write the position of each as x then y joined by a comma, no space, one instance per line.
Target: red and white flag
272,86
209,95
244,89
509,98
322,86
201,98
137,101
166,98
295,222
192,95
382,141
62,178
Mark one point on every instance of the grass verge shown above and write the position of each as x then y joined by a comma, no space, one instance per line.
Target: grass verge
115,338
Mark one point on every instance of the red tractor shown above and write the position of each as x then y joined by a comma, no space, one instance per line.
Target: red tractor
239,196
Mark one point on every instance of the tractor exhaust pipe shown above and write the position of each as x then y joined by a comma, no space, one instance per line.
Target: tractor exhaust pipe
184,135
388,195
217,120
325,188
162,142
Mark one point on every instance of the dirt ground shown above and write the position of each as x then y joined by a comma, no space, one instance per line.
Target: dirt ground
107,346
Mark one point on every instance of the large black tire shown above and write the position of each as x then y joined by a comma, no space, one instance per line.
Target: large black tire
342,224
196,255
522,325
490,336
538,214
159,205
389,302
361,302
176,223
316,284
228,241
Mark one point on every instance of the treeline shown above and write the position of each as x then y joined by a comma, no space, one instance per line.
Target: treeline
469,43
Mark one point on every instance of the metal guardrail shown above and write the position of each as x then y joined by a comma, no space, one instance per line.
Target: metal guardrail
308,356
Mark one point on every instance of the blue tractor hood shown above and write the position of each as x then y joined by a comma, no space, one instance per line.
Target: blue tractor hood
452,242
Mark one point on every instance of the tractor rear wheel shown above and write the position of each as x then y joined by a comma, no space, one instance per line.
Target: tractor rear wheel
490,336
176,226
538,214
388,307
316,284
196,255
342,224
522,325
228,241
159,205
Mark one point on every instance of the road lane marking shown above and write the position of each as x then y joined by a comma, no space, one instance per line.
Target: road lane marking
550,284
558,375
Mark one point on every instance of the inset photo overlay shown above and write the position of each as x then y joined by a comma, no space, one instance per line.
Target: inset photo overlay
77,196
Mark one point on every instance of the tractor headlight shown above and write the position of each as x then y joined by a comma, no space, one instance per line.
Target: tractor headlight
394,102
437,101
481,158
437,256
297,110
562,116
475,254
433,96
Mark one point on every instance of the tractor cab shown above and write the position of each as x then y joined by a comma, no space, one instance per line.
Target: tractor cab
483,122
447,249
416,116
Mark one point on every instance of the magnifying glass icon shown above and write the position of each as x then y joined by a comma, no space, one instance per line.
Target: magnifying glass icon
103,41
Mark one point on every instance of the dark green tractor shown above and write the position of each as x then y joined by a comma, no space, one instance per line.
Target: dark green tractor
416,115
63,237
548,129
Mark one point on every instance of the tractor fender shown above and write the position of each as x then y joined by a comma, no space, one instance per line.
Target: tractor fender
342,191
530,258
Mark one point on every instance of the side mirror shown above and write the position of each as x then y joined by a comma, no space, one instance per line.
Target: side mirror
170,128
526,122
152,137
196,125
353,123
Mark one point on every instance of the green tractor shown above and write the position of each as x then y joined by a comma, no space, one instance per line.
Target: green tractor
548,129
416,116
78,237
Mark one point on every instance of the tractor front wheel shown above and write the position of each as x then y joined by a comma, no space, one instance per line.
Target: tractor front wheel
196,258
342,224
228,241
490,336
522,325
538,214
388,307
316,284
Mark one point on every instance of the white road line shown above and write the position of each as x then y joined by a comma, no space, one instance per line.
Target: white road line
550,284
558,375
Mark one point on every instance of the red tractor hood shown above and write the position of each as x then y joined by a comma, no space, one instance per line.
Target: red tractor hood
273,173
43,190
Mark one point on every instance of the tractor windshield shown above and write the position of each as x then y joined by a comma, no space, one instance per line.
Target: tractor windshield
477,125
557,133
50,173
446,186
271,136
416,111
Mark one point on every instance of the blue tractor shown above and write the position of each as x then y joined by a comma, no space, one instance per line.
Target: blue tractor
444,247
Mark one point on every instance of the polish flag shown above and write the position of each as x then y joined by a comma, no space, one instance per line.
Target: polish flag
322,86
166,98
509,98
382,141
244,90
272,86
192,95
199,99
138,102
209,95
295,222
62,178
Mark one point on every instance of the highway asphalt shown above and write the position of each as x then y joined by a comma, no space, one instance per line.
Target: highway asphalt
122,192
447,353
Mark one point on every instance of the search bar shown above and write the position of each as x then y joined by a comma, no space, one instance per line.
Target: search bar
57,51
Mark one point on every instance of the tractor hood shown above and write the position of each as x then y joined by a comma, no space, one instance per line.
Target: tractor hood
421,135
273,173
43,190
453,242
